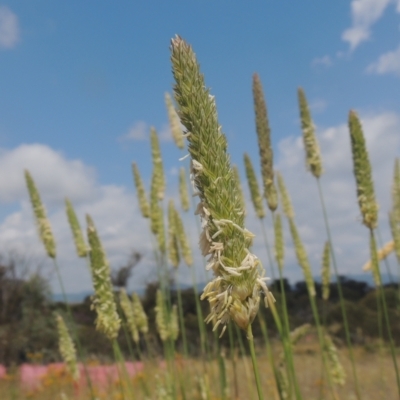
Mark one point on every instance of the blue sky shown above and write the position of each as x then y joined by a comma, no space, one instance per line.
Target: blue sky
80,87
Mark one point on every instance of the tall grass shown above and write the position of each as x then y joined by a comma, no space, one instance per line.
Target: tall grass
239,283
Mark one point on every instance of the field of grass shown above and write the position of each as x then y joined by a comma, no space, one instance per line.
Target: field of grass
295,362
378,379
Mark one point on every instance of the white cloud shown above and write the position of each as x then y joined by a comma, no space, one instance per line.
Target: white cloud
141,131
55,176
122,229
364,14
322,61
349,235
9,28
387,63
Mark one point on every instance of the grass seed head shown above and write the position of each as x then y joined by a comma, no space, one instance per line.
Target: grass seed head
174,122
264,143
184,245
253,187
363,173
311,146
396,191
80,245
183,190
173,248
103,301
158,169
67,348
141,193
240,190
127,309
42,222
234,293
302,258
336,369
285,198
140,315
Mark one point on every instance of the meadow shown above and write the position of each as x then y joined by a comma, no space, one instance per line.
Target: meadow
249,346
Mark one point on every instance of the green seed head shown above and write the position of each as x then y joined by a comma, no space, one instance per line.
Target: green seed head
297,334
240,190
285,198
183,240
141,193
396,191
253,187
183,190
103,303
363,173
67,348
80,245
157,164
311,146
173,249
336,369
234,293
42,222
127,309
140,315
302,258
264,143
174,122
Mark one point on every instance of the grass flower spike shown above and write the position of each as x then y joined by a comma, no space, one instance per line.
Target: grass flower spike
166,323
183,240
107,320
140,315
80,245
157,164
264,144
253,187
183,190
128,311
363,173
286,202
241,195
67,348
336,369
174,122
42,222
141,193
234,293
313,155
173,248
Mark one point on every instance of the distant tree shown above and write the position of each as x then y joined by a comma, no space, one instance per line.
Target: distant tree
120,276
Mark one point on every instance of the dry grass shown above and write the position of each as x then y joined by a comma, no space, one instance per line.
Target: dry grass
377,378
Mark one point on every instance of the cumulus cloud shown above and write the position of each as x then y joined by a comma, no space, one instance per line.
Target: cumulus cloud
122,229
54,174
365,13
141,131
9,28
350,236
387,63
